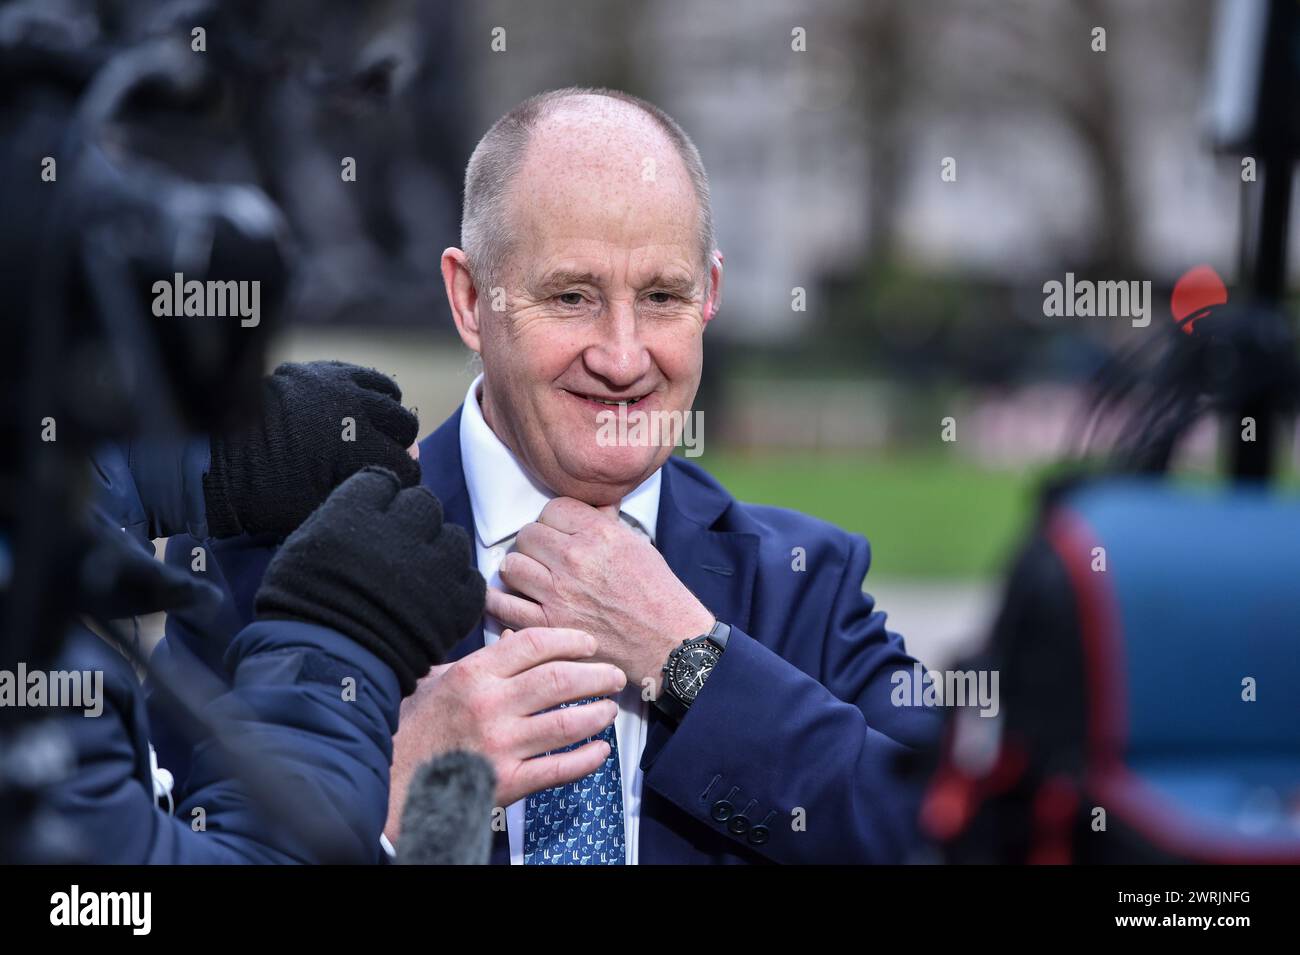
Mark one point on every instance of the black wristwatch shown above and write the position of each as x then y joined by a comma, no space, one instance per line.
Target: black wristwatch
688,666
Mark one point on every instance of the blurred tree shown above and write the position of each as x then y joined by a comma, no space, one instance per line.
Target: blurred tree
883,31
1022,59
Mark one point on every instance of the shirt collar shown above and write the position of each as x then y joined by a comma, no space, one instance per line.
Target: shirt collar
504,496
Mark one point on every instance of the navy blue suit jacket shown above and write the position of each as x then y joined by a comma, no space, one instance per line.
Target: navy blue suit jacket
795,729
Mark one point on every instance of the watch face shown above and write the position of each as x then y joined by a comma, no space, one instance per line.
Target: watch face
692,668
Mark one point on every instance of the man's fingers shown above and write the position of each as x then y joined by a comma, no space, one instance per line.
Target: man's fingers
557,729
525,576
543,544
563,681
528,647
567,515
547,772
514,611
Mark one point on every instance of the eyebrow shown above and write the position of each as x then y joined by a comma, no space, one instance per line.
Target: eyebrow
564,278
674,282
560,279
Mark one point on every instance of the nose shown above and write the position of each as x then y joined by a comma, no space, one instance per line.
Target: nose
618,355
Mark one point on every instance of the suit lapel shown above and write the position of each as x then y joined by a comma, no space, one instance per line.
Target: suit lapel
441,471
718,566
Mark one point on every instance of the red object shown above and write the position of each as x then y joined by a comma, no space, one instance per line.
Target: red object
1199,290
1056,804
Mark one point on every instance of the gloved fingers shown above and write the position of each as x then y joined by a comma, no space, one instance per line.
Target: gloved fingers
389,417
404,466
417,508
373,380
340,372
371,488
455,542
385,457
318,370
475,588
471,588
461,588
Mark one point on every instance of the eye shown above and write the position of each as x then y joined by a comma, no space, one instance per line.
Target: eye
662,298
571,299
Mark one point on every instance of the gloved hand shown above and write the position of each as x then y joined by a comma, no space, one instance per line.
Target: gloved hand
376,563
267,477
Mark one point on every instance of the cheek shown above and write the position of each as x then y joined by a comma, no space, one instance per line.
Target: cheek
679,353
537,356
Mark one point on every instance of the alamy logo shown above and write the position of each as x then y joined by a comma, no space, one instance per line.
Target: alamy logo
644,429
1087,299
71,689
921,687
74,907
211,299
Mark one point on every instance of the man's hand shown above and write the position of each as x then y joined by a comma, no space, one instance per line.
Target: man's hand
499,702
581,567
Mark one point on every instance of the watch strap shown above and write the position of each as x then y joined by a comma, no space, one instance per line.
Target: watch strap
667,701
670,705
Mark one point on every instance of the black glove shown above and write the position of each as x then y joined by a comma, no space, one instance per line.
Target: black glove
269,476
377,564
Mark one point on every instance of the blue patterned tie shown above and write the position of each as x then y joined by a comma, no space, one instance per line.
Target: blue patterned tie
579,823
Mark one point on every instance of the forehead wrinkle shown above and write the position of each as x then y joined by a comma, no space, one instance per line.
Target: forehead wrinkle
598,240
672,273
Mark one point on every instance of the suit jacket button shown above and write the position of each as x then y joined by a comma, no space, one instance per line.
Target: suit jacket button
739,824
758,835
722,810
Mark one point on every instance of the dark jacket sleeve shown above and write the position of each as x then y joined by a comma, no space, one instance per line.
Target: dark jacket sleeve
151,488
814,758
312,714
197,639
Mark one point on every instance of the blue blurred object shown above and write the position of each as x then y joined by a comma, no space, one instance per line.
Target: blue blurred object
1192,641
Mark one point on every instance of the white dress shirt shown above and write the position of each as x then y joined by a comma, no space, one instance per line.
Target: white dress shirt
504,497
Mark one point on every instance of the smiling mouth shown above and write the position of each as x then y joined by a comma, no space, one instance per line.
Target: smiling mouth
607,402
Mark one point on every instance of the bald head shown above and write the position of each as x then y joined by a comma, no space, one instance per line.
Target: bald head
557,148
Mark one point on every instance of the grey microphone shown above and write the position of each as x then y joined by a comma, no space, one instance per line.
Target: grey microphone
448,812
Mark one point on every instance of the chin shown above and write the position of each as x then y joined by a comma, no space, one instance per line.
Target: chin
619,470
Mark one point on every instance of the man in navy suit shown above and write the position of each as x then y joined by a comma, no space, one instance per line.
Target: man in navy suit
744,672
705,679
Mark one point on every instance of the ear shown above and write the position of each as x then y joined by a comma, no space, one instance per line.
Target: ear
714,300
462,296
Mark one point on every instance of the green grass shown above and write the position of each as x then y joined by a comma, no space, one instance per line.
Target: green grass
926,516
